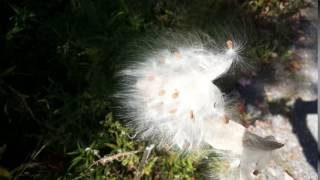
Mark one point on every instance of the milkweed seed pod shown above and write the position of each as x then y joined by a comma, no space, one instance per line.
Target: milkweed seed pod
246,165
169,96
257,152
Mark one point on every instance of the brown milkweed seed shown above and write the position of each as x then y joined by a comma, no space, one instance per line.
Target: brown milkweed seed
162,92
175,94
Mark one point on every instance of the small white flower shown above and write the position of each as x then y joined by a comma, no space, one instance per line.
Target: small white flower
169,96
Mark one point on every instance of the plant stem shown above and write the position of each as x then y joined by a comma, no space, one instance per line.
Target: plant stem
143,161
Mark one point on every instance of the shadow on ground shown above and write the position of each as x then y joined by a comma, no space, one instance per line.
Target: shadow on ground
298,121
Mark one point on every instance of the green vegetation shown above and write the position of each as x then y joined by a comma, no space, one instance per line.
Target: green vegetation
58,59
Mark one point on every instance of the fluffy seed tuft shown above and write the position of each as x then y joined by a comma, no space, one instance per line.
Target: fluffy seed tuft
168,95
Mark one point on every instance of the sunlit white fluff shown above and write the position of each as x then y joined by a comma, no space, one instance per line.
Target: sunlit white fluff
219,166
169,96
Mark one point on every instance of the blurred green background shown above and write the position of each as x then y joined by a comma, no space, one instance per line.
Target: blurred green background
57,62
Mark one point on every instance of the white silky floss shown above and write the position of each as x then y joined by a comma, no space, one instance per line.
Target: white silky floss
171,100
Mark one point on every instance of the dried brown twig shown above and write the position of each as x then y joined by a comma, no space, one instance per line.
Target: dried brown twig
105,159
